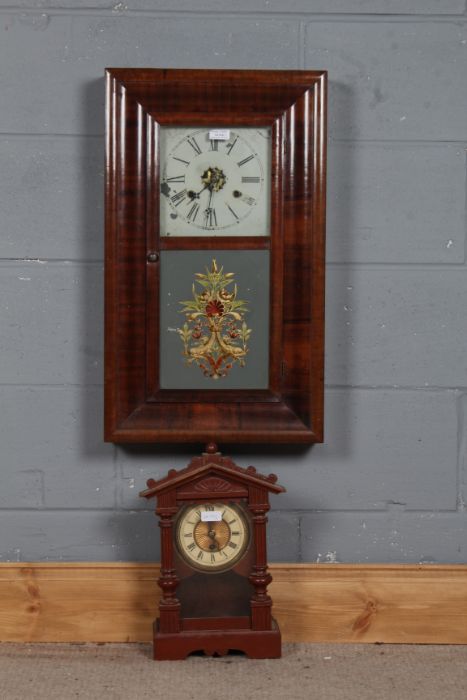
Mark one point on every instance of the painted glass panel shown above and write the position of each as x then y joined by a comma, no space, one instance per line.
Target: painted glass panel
214,319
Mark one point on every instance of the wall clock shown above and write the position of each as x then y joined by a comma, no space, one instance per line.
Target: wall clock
215,202
214,574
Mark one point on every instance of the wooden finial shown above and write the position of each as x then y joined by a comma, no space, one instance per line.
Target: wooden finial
211,448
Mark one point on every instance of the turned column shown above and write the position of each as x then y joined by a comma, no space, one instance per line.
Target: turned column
169,606
260,577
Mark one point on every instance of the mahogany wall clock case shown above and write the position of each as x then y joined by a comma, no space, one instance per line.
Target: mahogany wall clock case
215,201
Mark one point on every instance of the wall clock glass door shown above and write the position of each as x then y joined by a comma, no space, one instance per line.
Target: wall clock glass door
215,182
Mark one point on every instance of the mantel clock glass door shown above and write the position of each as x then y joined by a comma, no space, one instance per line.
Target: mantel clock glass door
212,536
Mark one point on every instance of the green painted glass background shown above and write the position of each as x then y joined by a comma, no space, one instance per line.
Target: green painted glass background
178,273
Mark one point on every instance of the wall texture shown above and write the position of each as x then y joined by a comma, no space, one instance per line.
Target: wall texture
389,483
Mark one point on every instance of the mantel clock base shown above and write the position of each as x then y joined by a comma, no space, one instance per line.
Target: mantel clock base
256,644
214,574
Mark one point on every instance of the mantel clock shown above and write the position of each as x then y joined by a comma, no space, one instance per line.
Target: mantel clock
215,201
214,573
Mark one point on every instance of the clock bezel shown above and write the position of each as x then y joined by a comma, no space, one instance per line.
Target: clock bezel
244,547
292,103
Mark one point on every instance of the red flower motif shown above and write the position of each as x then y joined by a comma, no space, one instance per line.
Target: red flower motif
214,308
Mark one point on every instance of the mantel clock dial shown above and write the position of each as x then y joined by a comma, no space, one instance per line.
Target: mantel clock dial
212,536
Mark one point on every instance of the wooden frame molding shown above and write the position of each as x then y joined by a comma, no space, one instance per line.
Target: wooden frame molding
293,105
107,602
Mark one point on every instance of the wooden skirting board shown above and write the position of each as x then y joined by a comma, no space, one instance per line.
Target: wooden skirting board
107,602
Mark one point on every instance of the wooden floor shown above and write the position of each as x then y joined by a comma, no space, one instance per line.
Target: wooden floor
107,602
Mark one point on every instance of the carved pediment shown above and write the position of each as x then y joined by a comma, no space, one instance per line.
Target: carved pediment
211,486
213,483
212,475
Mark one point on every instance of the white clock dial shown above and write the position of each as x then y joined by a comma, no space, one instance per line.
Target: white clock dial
215,182
212,536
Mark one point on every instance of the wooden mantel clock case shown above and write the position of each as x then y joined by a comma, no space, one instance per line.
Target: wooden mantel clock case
214,574
215,207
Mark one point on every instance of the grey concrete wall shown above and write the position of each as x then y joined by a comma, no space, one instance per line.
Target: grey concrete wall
389,483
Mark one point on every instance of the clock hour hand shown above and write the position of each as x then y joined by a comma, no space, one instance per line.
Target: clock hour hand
213,180
212,536
195,195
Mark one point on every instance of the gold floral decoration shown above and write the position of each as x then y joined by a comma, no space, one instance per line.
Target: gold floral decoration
215,335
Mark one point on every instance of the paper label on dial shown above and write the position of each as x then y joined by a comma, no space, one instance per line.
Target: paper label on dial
219,134
211,516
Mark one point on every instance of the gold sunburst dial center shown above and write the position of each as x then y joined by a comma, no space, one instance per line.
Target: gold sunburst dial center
211,537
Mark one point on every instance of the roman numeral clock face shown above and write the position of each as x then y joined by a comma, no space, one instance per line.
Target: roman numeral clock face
215,181
212,536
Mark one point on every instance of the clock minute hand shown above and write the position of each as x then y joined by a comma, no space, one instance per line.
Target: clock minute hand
208,212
